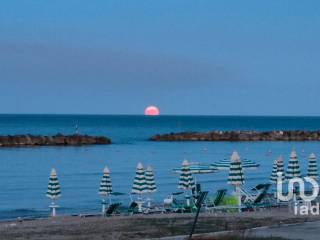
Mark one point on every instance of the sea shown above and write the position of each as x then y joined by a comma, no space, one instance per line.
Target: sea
24,171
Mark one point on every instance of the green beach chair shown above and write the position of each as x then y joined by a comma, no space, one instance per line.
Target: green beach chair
112,209
133,208
211,205
180,206
260,198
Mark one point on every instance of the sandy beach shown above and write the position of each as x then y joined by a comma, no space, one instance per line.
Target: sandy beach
146,226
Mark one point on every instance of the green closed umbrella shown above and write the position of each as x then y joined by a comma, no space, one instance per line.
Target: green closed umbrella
105,188
276,169
151,185
313,167
274,177
281,167
293,169
53,191
139,185
236,177
186,181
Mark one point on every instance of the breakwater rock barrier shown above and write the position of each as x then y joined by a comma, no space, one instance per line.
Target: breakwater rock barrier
232,136
55,140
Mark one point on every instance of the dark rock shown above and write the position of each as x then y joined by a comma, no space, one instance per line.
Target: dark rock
294,135
57,140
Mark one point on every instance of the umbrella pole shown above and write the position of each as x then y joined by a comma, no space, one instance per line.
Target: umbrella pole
53,212
53,207
187,196
103,202
149,201
238,196
139,202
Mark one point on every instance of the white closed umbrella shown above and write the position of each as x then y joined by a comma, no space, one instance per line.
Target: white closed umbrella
105,188
139,185
53,191
186,181
236,177
151,184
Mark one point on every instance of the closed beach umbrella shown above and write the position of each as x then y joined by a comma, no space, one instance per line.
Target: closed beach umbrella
236,177
139,184
274,177
293,169
186,181
105,187
281,167
53,191
313,166
151,185
276,169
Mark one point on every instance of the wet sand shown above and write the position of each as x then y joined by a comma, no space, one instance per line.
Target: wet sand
143,226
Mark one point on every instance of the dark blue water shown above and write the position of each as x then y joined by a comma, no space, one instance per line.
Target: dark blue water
24,171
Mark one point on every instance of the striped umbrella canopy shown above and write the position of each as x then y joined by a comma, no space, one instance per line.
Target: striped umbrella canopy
53,191
293,169
151,185
186,180
139,183
274,177
236,176
198,168
281,167
313,166
225,164
105,185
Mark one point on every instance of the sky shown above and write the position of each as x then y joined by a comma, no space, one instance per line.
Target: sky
186,57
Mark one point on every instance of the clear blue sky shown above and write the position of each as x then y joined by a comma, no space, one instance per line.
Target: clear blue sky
187,57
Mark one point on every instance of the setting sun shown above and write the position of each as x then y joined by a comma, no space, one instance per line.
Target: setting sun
151,111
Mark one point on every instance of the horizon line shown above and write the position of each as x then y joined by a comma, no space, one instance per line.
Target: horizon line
161,115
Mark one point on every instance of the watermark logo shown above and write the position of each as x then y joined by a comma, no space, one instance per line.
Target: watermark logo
305,208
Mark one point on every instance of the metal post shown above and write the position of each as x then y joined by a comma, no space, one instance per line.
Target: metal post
201,199
103,207
238,193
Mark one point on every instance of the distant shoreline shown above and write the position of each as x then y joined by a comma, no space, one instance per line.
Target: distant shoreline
55,140
236,136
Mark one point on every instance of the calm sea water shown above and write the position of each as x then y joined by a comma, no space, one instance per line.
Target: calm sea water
24,171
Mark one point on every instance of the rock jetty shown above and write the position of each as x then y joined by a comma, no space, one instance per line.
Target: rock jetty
233,136
56,140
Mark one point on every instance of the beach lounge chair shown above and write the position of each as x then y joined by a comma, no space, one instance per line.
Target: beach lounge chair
133,208
182,207
168,202
172,204
246,195
211,205
112,209
257,202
